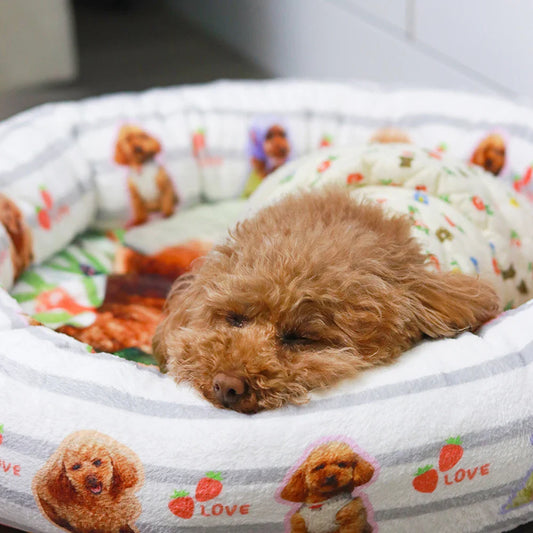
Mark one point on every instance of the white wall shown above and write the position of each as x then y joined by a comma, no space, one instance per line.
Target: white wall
464,44
37,43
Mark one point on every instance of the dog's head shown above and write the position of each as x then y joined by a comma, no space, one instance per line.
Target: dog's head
329,469
276,145
390,135
309,291
135,147
89,466
490,154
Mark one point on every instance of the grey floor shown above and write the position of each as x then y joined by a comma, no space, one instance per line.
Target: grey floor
130,45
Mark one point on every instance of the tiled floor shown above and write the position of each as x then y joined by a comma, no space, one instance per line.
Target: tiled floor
130,45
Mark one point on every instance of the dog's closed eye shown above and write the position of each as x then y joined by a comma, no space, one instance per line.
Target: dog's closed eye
295,339
77,466
236,320
342,464
98,462
321,466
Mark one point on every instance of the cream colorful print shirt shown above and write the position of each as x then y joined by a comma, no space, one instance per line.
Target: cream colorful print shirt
466,219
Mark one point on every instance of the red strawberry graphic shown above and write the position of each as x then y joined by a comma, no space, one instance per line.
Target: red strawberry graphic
495,266
478,203
46,196
43,217
209,487
181,504
198,142
324,165
522,182
1,431
450,454
356,177
426,479
325,141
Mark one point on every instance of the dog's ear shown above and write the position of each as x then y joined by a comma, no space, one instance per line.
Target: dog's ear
58,483
123,151
181,298
447,303
296,489
362,472
125,473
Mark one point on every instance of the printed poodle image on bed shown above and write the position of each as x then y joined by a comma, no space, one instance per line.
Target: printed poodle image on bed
88,484
149,185
269,147
326,485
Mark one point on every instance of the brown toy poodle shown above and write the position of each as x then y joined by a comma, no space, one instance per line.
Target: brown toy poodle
490,154
149,185
324,484
88,485
309,291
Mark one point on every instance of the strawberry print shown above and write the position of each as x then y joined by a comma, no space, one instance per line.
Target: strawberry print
198,142
449,220
426,479
450,454
46,196
522,182
43,218
434,260
209,487
325,141
1,433
515,238
435,154
480,205
356,177
181,504
324,165
421,188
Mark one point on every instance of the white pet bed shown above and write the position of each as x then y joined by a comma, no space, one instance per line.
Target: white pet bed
476,387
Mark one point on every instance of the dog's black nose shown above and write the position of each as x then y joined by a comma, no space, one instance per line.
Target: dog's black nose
228,389
331,480
91,481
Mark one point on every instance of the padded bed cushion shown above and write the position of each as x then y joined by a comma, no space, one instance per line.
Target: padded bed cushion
446,431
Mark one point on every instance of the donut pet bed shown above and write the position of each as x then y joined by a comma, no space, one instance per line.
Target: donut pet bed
105,201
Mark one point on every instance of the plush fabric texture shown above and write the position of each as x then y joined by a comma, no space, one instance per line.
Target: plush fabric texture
447,430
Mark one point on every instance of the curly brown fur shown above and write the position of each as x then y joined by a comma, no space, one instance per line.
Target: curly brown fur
309,291
19,234
88,485
330,469
490,154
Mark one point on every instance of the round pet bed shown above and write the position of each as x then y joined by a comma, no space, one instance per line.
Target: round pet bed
442,439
